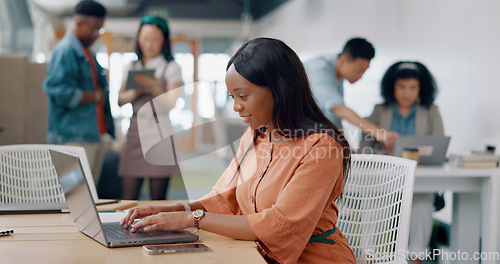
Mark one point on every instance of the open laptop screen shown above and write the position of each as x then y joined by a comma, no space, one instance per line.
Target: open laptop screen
78,195
431,149
87,220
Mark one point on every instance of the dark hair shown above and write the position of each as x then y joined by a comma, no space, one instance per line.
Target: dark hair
405,70
359,48
161,24
271,63
90,8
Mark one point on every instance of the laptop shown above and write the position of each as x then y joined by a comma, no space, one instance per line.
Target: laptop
33,208
84,212
431,149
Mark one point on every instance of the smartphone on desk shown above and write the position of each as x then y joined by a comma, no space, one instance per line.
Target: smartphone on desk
175,248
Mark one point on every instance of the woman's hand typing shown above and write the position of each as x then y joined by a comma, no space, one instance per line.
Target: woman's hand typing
165,221
142,212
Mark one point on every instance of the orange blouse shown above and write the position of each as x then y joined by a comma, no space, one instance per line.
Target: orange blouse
287,190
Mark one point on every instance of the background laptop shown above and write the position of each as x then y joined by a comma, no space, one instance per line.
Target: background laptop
33,208
431,149
83,210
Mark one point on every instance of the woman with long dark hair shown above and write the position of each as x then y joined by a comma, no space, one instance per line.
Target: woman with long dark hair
280,188
153,52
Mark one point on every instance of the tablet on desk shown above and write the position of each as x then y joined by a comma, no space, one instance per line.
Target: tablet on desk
131,84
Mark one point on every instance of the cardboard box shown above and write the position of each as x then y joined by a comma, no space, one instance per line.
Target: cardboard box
23,105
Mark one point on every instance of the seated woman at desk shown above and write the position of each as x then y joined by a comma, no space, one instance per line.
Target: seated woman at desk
280,188
409,90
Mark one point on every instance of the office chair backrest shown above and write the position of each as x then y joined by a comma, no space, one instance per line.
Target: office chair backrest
27,174
374,211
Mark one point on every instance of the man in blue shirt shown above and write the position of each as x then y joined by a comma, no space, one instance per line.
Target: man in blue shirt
78,107
326,76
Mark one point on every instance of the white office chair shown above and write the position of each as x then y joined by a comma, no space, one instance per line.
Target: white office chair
27,174
374,211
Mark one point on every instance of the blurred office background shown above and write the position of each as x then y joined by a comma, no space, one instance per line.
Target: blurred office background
457,39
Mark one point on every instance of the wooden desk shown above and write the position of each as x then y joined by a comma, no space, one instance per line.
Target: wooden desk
53,238
476,207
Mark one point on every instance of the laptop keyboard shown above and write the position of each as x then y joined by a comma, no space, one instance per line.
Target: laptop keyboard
116,231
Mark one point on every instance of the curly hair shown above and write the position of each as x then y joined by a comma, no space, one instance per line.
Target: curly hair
90,8
359,48
405,70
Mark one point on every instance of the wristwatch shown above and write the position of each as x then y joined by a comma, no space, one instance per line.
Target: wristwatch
197,216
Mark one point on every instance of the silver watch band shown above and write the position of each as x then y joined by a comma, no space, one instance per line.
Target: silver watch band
186,206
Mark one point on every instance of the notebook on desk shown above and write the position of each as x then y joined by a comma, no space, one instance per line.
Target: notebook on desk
86,218
431,149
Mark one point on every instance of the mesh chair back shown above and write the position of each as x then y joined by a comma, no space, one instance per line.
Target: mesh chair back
27,174
374,210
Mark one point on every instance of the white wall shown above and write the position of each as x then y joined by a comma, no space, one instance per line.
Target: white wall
458,40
